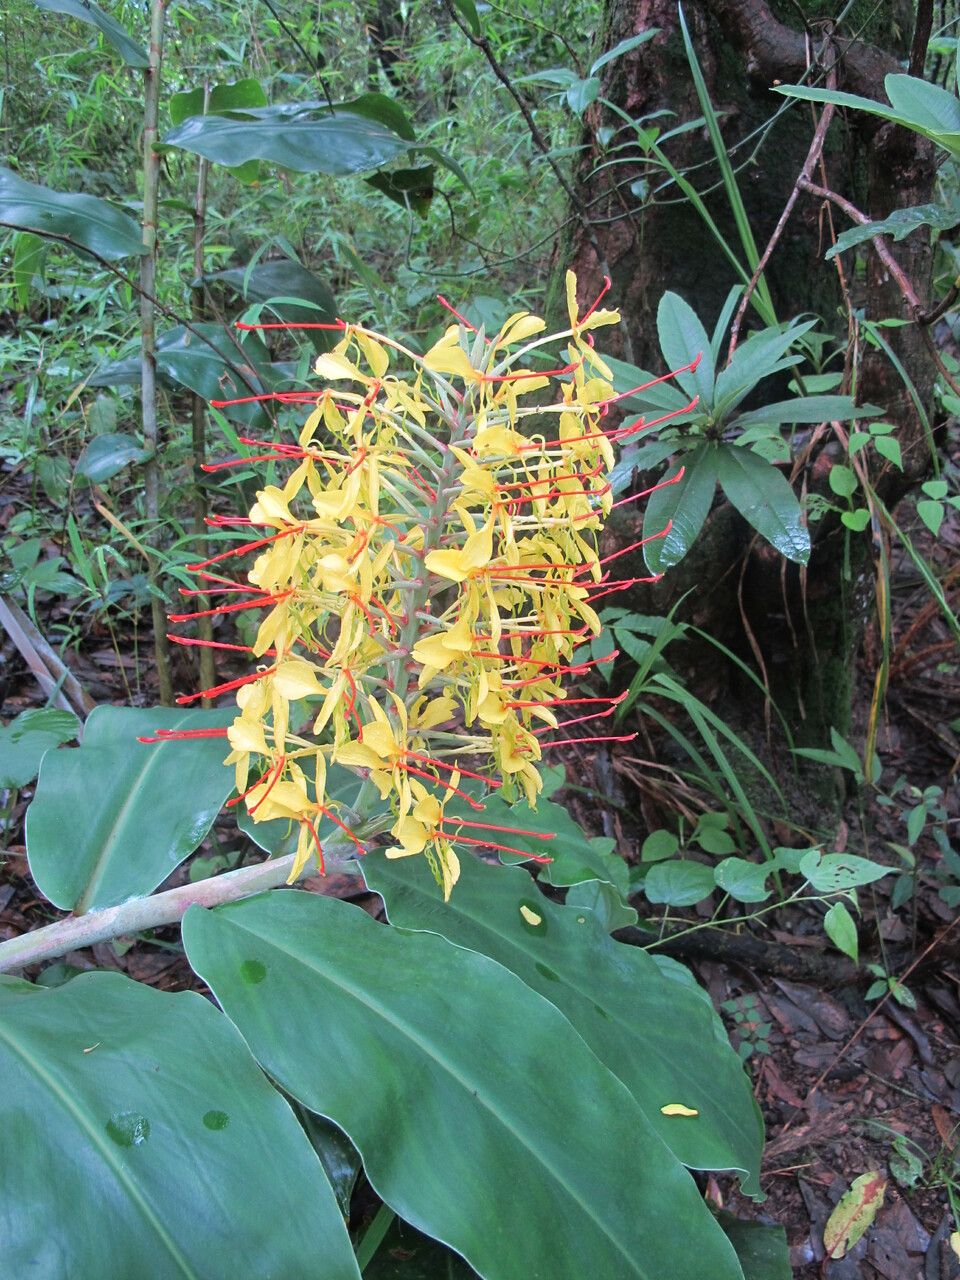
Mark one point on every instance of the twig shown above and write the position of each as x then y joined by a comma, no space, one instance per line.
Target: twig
154,911
813,155
540,142
921,37
54,676
886,257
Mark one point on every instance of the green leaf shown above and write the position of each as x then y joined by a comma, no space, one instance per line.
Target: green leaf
765,500
29,253
684,506
659,845
807,409
409,188
582,93
658,1041
760,356
899,224
306,137
678,884
108,454
138,1117
576,856
931,513
889,449
223,98
278,282
212,372
743,880
856,520
838,872
111,30
24,741
925,108
432,1059
662,397
605,903
682,339
842,480
840,928
87,222
624,46
407,1254
113,819
761,1249
468,11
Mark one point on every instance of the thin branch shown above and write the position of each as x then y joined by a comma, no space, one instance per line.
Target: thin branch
878,242
540,142
921,37
155,911
813,155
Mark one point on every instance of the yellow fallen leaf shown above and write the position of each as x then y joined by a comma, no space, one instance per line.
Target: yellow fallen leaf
678,1109
955,1242
855,1211
531,917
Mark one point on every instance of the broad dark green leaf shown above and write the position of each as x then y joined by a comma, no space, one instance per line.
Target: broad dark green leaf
305,137
665,1044
915,103
765,500
114,818
105,455
744,880
146,1141
575,855
682,339
278,283
25,740
87,222
384,110
214,373
900,224
806,409
761,1248
111,30
684,506
410,188
468,11
482,1117
223,97
660,398
762,355
604,901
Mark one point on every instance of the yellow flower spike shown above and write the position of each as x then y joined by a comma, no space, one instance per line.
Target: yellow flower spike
425,597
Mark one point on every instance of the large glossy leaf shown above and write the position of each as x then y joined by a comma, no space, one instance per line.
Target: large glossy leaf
86,221
682,339
765,500
111,30
306,137
140,1138
915,103
807,409
112,819
211,371
278,283
662,1041
221,98
760,356
25,741
481,1116
686,503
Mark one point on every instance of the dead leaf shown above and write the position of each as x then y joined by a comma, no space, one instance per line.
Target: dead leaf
674,1108
855,1211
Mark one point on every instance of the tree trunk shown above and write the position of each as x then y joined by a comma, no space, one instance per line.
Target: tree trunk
806,626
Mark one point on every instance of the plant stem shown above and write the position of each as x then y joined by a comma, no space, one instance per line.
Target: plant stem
148,361
208,674
154,911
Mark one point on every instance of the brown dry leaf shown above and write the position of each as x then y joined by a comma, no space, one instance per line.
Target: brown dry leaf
856,1209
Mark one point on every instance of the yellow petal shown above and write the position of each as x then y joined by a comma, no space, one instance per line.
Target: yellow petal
296,678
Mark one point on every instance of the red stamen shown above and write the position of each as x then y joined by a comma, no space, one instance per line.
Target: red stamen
452,768
494,826
408,768
664,377
180,735
463,319
569,742
568,702
337,324
316,841
229,608
600,296
343,827
216,690
273,778
247,546
504,848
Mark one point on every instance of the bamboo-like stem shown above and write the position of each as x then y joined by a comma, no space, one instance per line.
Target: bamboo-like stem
208,674
148,362
156,910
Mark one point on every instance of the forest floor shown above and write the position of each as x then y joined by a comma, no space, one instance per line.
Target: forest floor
846,1086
